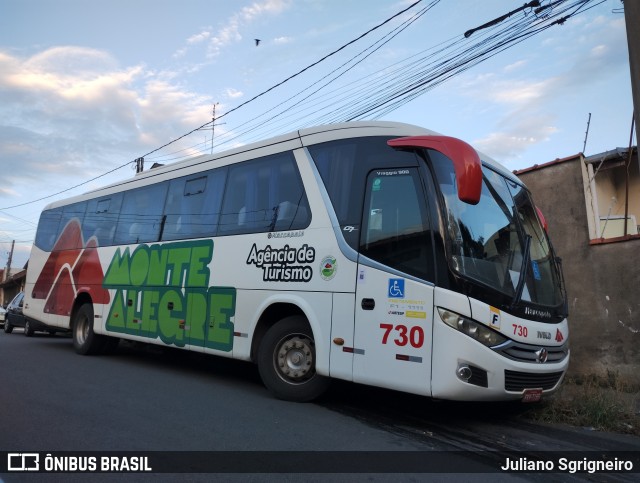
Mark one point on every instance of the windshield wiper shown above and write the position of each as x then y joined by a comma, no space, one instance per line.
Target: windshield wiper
523,272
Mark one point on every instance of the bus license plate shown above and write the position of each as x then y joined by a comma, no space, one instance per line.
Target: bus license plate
531,395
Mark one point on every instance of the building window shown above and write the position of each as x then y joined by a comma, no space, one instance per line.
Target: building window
612,191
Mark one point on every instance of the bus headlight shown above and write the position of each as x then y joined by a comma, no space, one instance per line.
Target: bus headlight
473,329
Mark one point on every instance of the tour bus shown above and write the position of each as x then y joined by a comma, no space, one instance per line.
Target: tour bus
374,252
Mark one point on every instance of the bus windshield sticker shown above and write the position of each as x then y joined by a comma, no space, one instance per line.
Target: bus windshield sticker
536,270
392,172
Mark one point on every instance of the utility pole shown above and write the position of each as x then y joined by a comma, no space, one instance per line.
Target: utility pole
632,21
7,271
213,124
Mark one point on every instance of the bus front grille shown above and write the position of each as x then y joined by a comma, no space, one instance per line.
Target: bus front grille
519,381
529,353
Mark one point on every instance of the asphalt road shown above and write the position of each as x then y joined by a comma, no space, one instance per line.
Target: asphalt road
143,398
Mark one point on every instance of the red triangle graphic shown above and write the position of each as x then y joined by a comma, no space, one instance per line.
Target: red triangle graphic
62,296
88,275
65,251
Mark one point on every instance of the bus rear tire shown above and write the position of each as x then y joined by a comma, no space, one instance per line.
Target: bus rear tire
85,341
287,361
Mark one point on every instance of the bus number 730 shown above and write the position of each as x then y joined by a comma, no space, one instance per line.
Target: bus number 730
413,335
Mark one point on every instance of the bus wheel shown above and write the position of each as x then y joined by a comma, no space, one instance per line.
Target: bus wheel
85,341
28,330
287,361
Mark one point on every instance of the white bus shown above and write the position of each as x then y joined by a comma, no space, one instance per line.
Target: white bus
374,252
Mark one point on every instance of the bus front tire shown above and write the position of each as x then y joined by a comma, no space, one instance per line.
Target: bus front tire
287,361
85,341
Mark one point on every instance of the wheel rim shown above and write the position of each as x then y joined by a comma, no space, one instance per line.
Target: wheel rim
81,330
294,359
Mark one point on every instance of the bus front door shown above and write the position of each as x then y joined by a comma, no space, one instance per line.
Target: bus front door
393,333
394,313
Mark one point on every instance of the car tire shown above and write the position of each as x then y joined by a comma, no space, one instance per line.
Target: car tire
287,361
28,329
8,328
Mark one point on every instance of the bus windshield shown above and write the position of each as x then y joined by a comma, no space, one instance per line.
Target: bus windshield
500,241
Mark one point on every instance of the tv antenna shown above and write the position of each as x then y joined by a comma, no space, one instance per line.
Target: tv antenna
586,134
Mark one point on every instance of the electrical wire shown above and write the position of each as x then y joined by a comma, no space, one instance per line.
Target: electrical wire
379,93
231,110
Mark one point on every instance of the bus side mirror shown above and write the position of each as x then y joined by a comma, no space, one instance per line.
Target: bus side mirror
466,162
542,219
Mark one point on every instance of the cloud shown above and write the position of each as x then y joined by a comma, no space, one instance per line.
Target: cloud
526,103
257,9
74,110
515,66
198,38
510,142
230,32
233,93
282,40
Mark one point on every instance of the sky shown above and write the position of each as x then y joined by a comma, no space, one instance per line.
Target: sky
86,86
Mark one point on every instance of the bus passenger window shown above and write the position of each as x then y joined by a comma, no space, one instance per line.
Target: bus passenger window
47,233
101,218
396,229
264,195
72,213
193,204
141,215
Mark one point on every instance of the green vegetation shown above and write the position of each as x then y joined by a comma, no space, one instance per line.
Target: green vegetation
604,403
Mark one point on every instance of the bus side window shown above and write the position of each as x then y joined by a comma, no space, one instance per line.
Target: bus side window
47,233
344,165
101,218
141,215
72,213
396,229
264,195
193,205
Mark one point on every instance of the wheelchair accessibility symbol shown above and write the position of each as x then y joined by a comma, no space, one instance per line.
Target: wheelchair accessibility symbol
396,288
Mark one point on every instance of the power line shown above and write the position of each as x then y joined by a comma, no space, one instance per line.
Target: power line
230,111
385,90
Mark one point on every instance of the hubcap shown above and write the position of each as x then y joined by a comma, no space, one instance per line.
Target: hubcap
82,330
294,359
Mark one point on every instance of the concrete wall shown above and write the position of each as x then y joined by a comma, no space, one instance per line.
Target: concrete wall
603,281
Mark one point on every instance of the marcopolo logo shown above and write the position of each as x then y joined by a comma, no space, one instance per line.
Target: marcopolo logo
162,291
